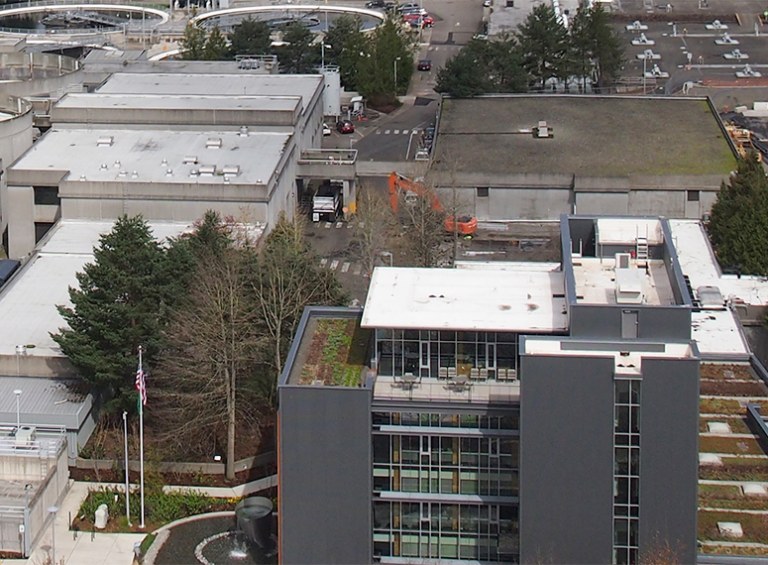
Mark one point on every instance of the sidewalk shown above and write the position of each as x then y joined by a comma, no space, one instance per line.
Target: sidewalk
85,548
80,548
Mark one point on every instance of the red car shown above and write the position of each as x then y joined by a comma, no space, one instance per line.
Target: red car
345,126
417,19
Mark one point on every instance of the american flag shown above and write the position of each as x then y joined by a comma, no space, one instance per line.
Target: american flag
141,386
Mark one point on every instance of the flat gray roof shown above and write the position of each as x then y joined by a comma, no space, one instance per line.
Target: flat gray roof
178,102
28,302
593,137
149,155
304,86
42,402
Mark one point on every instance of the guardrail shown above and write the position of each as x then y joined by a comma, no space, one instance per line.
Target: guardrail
333,156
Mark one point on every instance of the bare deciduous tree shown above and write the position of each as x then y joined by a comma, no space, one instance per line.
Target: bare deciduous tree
213,342
372,231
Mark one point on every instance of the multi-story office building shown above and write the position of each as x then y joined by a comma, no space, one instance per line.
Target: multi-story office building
516,413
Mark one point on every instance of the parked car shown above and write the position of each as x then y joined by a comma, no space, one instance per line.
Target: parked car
487,3
414,12
409,6
375,4
424,65
345,126
416,20
326,130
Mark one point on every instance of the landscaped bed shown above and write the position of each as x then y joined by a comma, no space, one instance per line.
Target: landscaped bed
728,406
337,353
754,526
160,508
736,445
725,388
725,371
735,469
729,496
737,425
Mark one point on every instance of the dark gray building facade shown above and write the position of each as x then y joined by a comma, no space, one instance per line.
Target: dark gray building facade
562,432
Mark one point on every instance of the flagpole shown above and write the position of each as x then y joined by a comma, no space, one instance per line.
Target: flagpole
127,483
142,394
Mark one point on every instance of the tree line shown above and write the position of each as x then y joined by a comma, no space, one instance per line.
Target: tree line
541,50
369,63
215,313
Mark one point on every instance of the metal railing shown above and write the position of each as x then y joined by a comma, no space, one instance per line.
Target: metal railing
330,156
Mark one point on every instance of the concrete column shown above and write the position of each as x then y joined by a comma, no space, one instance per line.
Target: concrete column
20,211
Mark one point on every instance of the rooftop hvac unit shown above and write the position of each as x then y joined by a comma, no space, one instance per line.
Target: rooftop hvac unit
208,170
213,143
25,436
105,141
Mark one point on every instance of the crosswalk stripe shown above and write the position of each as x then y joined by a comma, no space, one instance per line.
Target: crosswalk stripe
327,225
345,267
339,224
358,269
387,132
378,132
406,132
414,132
334,264
323,262
396,132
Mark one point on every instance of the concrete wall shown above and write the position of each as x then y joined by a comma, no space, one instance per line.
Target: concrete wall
669,455
654,322
602,203
566,460
325,479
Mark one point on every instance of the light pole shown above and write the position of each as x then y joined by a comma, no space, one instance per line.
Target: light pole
17,392
27,488
322,54
52,511
395,73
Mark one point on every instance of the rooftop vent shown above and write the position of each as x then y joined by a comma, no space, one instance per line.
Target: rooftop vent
164,162
135,175
243,131
208,170
231,170
117,164
122,174
194,173
629,281
213,143
710,297
543,130
104,167
169,172
190,160
105,141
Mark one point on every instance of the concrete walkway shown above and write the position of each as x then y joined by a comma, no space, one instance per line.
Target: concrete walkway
78,548
85,548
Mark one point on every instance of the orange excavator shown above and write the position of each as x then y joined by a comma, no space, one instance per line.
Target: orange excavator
400,185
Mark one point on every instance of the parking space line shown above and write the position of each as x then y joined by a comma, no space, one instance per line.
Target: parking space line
345,267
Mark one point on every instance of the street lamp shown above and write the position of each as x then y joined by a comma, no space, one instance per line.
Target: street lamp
323,47
395,73
17,392
52,511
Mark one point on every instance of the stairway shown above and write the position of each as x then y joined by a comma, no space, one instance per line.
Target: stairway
641,251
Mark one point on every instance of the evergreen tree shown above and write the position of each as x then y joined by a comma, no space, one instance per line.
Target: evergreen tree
193,43
251,37
121,303
216,48
296,56
388,47
596,48
346,42
544,44
739,222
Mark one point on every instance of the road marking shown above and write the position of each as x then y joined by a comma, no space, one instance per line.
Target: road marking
378,132
339,224
414,132
397,131
406,132
334,264
349,226
358,269
387,132
345,267
362,224
323,262
327,225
